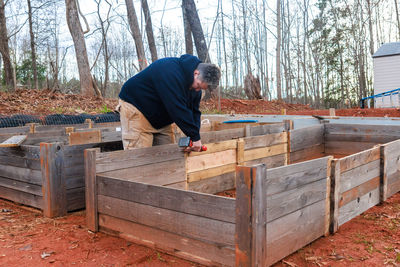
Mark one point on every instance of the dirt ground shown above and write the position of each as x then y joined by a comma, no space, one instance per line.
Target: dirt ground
29,239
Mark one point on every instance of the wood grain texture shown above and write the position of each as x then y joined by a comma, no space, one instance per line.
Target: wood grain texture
184,224
290,177
359,175
92,220
21,197
188,248
208,173
267,129
358,206
13,141
270,162
264,140
207,161
263,152
116,160
53,179
214,184
306,137
21,186
21,174
217,136
216,147
335,195
309,153
162,173
79,138
358,159
359,191
294,231
205,205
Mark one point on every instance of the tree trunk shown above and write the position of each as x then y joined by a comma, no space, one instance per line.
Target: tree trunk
149,31
134,25
397,16
74,25
33,47
5,51
252,87
188,33
197,30
278,50
371,37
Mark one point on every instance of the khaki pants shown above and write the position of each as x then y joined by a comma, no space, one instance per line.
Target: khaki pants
137,131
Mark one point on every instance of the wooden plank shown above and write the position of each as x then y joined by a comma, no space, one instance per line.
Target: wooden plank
184,224
264,140
240,152
21,197
328,196
393,188
309,153
21,174
359,191
390,163
306,137
216,147
212,160
21,186
362,129
346,148
214,184
180,185
243,230
78,138
267,129
359,175
264,152
162,173
21,162
205,174
204,205
284,203
76,199
116,160
358,206
75,181
92,219
13,141
111,136
270,162
335,195
369,138
259,215
172,243
24,151
15,130
293,176
217,136
53,180
361,158
294,231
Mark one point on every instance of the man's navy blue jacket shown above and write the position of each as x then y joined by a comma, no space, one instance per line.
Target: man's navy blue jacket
162,92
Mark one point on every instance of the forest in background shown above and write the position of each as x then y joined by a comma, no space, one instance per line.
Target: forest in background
316,52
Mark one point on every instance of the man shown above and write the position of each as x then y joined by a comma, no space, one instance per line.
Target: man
167,91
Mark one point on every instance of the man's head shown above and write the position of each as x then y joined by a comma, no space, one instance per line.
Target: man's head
206,76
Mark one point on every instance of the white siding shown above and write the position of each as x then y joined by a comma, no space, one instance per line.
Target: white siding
386,77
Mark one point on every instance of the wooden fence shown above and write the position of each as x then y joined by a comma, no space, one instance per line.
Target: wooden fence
390,166
307,143
355,185
49,176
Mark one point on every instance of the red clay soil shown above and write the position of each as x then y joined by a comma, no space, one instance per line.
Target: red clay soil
29,239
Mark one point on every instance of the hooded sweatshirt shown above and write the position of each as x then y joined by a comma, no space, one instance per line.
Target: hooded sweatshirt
162,92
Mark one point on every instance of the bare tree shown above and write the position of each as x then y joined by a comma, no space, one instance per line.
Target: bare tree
5,50
75,28
33,46
396,5
188,32
278,50
197,30
149,31
135,30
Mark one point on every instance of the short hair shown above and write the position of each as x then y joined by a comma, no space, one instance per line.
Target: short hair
210,74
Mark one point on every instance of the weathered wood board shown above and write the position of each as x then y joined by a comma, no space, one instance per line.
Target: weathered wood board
13,141
390,154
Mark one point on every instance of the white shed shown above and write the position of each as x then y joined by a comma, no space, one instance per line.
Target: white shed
387,74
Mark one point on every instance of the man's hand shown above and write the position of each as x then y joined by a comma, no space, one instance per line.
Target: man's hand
196,146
